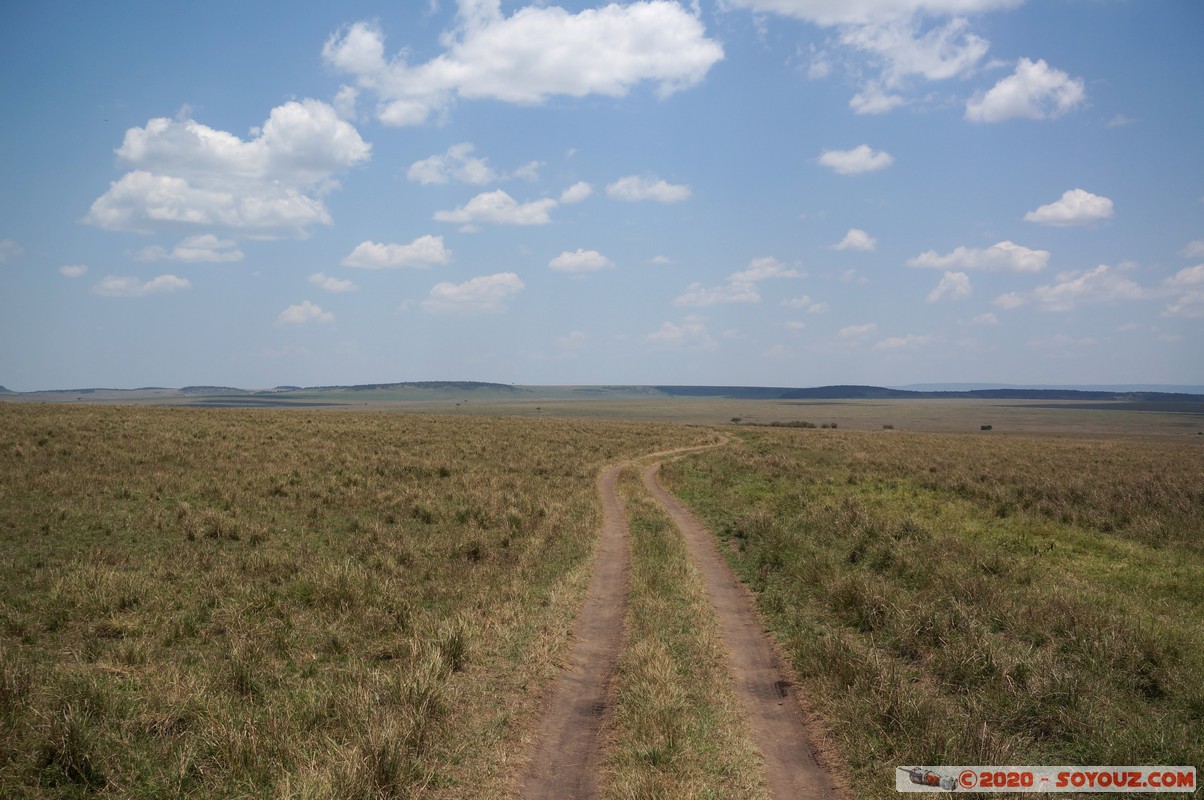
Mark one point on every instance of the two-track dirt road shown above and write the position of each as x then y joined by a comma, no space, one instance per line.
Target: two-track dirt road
569,748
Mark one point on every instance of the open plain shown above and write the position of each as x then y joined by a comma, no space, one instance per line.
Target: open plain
218,602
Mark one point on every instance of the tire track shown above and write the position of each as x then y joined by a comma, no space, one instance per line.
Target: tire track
761,681
568,749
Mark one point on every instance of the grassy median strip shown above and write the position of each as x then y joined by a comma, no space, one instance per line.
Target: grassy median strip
270,603
958,600
677,728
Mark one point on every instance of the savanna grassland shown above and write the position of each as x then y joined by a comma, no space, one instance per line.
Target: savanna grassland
259,603
974,599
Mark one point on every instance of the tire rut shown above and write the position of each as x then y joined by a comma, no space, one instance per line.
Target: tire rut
761,681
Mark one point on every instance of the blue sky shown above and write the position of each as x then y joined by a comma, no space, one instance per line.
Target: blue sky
759,192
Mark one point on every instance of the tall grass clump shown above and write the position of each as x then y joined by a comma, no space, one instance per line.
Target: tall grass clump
278,603
959,600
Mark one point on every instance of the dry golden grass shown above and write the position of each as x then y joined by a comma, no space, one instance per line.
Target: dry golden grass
286,603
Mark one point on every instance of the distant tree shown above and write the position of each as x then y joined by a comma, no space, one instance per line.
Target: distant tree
736,420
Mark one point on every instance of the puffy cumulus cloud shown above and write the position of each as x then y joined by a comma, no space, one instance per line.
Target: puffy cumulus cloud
1187,277
698,296
458,163
1076,207
1099,285
537,53
194,249
1034,91
74,270
857,239
1001,257
765,268
186,175
501,209
330,284
911,341
852,162
9,250
576,193
691,334
902,49
304,313
484,294
580,261
423,252
1188,287
953,286
128,286
634,188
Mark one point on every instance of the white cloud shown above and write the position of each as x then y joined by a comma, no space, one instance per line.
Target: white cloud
698,296
1033,91
423,252
765,268
858,331
1119,121
1076,207
114,286
691,334
661,260
1188,283
186,175
1098,285
580,261
953,286
487,293
985,319
887,44
634,188
331,284
857,239
576,193
1188,276
852,162
1001,257
528,172
194,249
805,303
304,313
500,208
458,163
74,270
9,250
535,54
1194,249
911,341
873,100
777,351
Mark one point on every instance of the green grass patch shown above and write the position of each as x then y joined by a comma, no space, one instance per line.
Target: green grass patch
958,600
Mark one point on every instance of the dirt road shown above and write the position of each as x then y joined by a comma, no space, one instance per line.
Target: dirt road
569,748
765,693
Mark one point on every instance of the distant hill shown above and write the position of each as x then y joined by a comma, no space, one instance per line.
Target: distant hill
881,393
463,386
6,391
